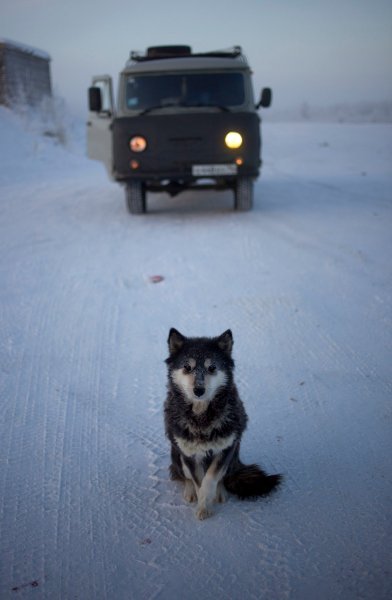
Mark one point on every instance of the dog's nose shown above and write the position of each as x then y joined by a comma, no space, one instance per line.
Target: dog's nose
199,391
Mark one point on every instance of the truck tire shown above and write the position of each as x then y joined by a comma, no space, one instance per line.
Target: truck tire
135,195
243,194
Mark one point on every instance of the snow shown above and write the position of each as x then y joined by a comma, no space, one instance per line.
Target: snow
359,112
24,48
87,510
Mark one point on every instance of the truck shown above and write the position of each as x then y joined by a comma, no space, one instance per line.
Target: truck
183,120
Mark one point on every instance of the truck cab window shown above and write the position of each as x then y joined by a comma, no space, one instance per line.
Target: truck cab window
198,89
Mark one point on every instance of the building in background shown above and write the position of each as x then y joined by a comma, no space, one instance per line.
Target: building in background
24,74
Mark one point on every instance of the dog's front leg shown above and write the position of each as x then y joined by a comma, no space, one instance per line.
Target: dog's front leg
208,489
192,486
204,491
205,497
190,493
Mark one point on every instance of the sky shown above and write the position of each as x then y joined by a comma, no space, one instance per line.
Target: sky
315,51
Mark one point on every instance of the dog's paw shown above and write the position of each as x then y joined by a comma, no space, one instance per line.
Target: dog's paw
203,512
189,492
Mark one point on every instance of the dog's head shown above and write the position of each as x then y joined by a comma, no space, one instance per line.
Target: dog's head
200,367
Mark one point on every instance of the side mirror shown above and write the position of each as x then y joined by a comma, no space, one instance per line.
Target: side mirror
94,99
265,98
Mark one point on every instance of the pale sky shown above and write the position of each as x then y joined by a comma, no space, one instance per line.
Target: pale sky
320,52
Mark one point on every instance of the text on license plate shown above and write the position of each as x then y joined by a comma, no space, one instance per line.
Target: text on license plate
209,170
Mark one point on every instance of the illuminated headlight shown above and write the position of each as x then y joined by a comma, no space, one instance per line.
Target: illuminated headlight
233,139
138,143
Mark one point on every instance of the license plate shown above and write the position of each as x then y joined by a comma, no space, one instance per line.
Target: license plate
211,170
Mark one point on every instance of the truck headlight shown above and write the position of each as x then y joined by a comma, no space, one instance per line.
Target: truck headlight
138,143
233,139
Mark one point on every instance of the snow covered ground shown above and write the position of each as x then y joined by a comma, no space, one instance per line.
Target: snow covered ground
87,511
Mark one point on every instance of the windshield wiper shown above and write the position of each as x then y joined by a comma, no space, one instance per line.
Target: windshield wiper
156,106
204,105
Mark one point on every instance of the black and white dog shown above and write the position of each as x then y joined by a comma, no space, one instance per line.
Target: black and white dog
204,420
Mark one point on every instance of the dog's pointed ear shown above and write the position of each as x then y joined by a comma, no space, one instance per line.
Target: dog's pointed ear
225,341
175,340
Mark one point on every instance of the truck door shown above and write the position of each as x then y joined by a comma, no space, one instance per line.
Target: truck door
99,124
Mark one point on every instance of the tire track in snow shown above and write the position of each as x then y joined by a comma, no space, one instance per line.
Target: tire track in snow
55,438
78,450
24,474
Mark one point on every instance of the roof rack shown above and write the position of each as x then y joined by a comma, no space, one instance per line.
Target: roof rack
160,52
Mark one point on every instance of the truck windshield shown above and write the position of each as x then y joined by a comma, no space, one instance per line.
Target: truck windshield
196,89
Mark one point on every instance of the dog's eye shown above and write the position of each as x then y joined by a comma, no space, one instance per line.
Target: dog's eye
187,368
212,369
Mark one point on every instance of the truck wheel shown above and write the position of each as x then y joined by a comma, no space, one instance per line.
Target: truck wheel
135,195
243,194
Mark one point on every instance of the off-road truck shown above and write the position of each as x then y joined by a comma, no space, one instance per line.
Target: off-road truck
183,121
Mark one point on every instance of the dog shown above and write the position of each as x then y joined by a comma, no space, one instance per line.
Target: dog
204,422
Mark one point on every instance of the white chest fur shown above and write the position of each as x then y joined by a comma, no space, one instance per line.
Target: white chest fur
192,448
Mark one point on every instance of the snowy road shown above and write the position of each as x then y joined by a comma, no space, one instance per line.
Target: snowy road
87,511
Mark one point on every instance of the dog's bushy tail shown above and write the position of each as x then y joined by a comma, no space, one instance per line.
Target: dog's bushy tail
250,481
